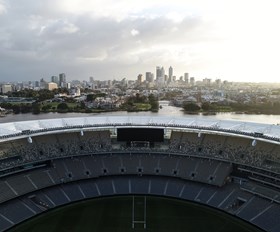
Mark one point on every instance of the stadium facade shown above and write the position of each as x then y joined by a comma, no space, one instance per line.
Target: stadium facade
229,165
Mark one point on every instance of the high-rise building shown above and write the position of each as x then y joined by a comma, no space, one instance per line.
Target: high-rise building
192,81
37,84
5,88
160,74
149,77
170,74
43,83
68,85
186,77
54,79
218,82
206,81
91,79
140,78
62,80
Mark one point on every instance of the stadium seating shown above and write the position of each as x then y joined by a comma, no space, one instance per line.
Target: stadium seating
57,169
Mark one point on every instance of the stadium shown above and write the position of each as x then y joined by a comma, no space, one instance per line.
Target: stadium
229,166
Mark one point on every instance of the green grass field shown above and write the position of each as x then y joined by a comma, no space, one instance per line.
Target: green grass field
115,214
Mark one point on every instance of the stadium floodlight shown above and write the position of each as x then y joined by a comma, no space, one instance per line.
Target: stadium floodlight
254,143
29,139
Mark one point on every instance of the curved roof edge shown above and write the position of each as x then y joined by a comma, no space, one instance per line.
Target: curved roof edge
260,131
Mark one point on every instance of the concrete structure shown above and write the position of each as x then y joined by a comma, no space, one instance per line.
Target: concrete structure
62,80
140,78
160,74
186,77
232,166
149,77
55,79
5,88
192,81
51,86
170,74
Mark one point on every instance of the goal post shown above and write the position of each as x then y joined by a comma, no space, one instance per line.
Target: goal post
139,211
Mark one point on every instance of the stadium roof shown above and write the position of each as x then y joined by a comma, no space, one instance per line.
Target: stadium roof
18,128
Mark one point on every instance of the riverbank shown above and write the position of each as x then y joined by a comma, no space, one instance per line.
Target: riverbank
165,110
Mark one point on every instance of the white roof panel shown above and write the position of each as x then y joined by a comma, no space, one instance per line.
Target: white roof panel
249,127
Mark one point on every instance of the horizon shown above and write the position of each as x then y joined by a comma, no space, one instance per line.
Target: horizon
235,41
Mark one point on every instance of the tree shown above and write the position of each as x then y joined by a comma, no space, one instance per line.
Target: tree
91,97
191,107
62,107
45,94
36,108
206,106
153,102
83,105
46,108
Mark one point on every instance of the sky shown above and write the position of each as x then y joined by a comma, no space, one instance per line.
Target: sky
235,40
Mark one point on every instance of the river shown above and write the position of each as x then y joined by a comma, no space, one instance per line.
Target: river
166,110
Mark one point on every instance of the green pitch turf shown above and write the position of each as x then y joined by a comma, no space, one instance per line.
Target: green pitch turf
115,214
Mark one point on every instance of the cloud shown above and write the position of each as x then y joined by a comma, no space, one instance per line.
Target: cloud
3,7
108,37
134,32
88,42
60,27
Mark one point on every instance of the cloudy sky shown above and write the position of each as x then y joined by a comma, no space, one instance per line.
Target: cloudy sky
236,40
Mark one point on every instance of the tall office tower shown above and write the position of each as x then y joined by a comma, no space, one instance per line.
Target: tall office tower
162,72
62,80
37,84
152,77
186,77
158,72
140,78
91,79
30,84
54,79
192,81
170,74
43,83
149,77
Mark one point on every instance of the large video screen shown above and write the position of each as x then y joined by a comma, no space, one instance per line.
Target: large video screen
140,134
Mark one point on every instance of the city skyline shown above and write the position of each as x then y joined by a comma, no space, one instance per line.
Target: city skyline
233,40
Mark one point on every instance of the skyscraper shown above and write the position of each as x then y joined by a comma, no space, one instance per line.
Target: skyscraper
140,78
158,73
192,81
162,72
149,77
54,79
170,74
62,80
186,77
